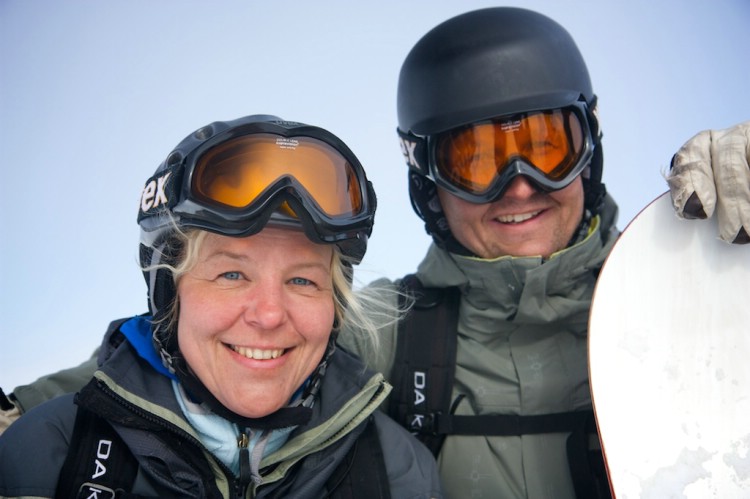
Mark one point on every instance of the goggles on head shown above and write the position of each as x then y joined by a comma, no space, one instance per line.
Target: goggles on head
238,180
477,162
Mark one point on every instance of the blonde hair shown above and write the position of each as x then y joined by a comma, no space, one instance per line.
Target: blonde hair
364,311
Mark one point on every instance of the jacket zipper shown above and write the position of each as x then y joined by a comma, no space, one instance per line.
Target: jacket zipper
243,442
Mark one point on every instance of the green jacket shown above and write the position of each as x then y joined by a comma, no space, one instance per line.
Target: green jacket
522,349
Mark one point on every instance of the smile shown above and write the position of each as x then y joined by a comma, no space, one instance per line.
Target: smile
514,219
257,353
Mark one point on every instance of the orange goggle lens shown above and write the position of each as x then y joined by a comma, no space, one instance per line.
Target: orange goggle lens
236,173
472,157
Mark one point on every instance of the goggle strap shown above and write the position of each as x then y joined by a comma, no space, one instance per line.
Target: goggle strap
414,149
593,116
161,192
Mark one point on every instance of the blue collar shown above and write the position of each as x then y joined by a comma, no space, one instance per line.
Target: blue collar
138,332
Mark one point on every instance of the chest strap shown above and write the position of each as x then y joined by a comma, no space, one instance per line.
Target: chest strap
423,376
514,425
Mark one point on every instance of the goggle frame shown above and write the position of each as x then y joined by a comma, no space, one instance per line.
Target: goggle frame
173,181
419,153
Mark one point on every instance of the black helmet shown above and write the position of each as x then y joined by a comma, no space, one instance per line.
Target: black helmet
234,178
482,65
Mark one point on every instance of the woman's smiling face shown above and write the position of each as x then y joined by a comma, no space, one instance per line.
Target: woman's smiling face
255,316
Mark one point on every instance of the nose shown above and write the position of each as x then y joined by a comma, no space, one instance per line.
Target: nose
520,188
266,308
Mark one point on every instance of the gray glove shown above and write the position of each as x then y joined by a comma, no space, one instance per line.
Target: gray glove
711,171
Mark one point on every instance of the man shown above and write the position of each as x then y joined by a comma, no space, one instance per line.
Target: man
498,126
497,120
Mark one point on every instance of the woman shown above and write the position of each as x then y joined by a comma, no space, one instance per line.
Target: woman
232,385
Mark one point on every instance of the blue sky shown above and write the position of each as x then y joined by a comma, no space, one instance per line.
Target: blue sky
94,94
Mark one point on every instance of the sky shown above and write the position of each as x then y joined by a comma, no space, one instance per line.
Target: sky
94,94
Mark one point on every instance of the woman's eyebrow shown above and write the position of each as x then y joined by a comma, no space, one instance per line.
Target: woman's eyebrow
231,255
226,254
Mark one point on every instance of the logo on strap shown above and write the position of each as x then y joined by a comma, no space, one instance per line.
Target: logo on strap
154,193
408,148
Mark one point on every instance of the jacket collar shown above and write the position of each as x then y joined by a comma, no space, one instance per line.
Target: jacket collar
526,289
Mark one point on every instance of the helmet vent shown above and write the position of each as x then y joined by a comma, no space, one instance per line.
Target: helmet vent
204,133
174,158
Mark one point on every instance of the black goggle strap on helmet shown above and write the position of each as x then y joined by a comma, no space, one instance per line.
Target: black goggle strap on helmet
595,191
423,193
414,149
161,192
593,118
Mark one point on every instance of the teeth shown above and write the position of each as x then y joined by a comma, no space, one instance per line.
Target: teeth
257,354
517,218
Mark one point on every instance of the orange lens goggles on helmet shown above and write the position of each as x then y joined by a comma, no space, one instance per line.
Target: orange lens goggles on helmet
236,181
477,162
236,173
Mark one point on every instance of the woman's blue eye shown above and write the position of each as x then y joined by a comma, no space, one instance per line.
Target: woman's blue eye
231,275
300,281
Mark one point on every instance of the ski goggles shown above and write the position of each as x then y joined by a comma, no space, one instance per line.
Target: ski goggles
477,162
239,180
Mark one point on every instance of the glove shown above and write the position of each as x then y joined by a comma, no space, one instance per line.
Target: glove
711,171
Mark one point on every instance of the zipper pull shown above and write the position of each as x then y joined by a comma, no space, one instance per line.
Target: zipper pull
242,442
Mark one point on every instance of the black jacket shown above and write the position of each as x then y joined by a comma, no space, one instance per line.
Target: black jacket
141,406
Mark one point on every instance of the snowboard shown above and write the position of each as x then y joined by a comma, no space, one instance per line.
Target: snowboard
669,359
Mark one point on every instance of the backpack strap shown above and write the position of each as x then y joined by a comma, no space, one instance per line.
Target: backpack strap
512,425
98,464
425,362
362,473
587,468
423,375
